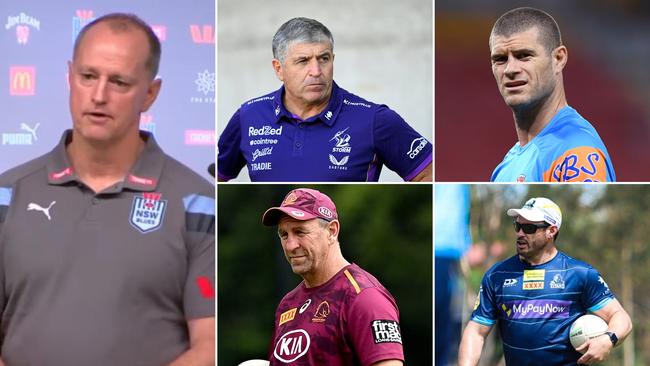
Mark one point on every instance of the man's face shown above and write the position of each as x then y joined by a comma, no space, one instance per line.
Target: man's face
529,246
525,71
307,73
109,84
305,243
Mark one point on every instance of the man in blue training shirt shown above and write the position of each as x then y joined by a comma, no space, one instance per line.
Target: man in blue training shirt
537,294
556,144
311,129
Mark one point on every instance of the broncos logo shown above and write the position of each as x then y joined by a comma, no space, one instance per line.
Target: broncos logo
322,311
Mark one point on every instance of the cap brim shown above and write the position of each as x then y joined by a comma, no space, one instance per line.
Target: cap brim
530,215
272,216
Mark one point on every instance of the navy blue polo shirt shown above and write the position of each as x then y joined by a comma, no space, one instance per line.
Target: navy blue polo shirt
350,140
535,305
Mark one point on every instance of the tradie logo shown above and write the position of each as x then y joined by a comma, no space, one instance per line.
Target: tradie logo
46,211
22,80
203,34
79,21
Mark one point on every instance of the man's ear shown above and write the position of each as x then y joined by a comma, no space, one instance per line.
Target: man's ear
277,67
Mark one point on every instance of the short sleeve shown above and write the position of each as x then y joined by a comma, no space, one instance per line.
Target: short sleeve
596,293
399,146
580,164
199,293
373,327
485,311
230,160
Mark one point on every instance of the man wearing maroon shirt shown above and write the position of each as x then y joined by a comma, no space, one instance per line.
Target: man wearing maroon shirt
340,314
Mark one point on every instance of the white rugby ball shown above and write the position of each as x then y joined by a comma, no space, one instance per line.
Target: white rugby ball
254,363
585,328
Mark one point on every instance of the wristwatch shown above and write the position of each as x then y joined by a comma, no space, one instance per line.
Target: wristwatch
612,337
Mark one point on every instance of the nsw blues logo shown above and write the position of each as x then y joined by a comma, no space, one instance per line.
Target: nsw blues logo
147,212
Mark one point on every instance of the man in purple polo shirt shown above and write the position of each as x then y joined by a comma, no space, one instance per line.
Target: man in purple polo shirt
340,314
311,129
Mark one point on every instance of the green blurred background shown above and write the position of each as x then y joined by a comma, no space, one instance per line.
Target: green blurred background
386,229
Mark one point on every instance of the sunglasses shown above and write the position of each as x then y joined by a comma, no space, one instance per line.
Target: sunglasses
529,228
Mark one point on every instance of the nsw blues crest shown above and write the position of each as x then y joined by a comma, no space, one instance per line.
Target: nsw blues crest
147,212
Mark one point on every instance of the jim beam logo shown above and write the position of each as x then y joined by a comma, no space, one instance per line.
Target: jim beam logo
23,23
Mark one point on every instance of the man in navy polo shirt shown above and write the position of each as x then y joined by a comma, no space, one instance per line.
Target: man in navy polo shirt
311,129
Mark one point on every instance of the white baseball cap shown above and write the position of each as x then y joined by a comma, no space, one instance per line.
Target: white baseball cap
539,209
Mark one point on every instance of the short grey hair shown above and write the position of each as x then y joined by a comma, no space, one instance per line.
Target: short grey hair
522,19
303,30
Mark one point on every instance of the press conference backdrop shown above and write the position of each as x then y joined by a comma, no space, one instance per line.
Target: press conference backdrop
36,41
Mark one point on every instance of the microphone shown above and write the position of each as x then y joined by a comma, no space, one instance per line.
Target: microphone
211,168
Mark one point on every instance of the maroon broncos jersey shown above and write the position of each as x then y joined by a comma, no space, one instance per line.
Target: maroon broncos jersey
349,320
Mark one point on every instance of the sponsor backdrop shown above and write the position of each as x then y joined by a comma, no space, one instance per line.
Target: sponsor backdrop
36,40
383,54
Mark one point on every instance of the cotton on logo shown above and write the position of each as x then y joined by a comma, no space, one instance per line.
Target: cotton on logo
205,34
292,345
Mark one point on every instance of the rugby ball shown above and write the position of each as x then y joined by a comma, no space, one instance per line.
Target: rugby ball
585,328
254,363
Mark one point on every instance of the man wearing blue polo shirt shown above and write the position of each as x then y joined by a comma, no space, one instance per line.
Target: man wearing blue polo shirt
555,143
535,296
313,130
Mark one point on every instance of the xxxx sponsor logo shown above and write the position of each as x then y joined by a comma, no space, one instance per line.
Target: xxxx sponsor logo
533,285
287,316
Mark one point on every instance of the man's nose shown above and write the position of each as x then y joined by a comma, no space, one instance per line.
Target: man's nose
512,66
315,68
99,93
291,242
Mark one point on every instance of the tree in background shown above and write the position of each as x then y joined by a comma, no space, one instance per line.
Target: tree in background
605,226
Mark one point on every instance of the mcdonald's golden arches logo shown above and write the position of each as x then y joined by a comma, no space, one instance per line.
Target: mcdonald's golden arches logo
22,80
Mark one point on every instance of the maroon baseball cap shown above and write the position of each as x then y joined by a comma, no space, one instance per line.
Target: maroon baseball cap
302,204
